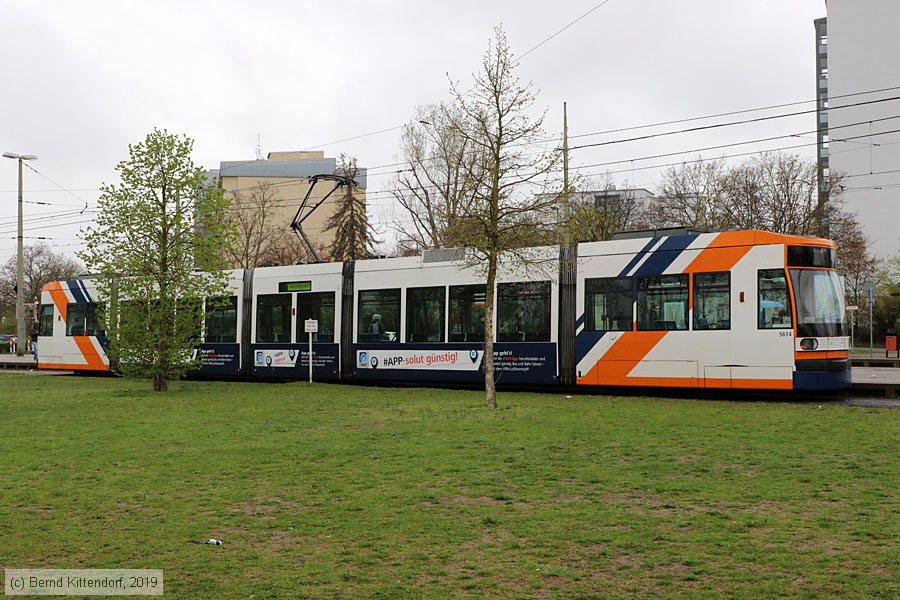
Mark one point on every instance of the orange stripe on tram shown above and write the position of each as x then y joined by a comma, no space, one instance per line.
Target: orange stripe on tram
94,362
622,357
60,300
722,253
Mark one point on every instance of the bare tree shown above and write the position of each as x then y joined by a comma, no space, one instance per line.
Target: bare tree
285,248
261,240
354,237
599,210
855,260
503,216
772,191
432,191
691,195
41,266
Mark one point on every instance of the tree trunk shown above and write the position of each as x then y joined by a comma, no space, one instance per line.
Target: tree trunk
160,382
490,388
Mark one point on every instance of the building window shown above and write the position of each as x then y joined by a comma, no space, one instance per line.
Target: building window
712,300
523,312
425,314
467,303
662,303
608,304
81,319
379,316
774,302
221,320
46,326
273,318
318,306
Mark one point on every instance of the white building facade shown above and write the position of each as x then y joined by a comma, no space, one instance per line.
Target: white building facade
863,135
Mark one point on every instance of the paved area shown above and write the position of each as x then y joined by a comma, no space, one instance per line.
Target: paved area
13,360
887,375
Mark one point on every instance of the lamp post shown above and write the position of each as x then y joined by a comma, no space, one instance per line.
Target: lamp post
20,277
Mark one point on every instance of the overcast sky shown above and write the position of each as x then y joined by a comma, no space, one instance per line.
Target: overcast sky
84,79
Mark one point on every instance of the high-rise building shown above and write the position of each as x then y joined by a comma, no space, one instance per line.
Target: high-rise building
821,27
858,67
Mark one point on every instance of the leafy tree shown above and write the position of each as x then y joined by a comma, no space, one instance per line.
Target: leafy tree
156,250
354,237
887,300
504,216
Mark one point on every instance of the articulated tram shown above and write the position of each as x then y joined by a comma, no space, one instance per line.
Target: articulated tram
731,310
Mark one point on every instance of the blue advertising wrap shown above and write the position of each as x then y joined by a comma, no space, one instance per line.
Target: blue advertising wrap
219,359
514,364
291,361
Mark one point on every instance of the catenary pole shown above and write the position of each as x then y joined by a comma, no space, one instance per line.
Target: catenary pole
20,260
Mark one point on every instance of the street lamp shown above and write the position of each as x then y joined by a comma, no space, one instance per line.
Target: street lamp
20,278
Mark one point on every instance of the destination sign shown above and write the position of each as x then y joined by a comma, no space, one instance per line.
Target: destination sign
294,286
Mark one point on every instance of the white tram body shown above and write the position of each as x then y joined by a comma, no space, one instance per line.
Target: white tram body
742,310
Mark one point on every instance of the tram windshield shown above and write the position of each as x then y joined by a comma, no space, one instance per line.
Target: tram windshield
819,299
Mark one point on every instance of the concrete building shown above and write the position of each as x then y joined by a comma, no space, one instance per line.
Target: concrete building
858,66
286,176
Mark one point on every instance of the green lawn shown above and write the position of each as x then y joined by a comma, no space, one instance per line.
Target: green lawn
345,492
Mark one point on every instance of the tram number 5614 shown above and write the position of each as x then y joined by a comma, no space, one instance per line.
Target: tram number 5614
785,333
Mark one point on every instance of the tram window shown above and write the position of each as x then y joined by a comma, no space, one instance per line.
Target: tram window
712,300
273,318
318,306
608,304
81,319
523,312
467,303
379,316
774,306
809,256
221,320
425,310
662,303
46,327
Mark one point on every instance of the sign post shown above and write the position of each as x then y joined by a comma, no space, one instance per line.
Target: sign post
852,308
869,289
311,326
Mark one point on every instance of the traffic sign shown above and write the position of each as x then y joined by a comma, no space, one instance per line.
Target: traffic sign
311,326
853,307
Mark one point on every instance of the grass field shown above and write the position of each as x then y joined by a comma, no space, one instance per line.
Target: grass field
345,492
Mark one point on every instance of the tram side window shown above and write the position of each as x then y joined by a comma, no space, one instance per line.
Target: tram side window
774,301
662,303
712,300
273,318
467,303
523,312
46,326
221,320
379,316
425,313
608,304
320,307
81,319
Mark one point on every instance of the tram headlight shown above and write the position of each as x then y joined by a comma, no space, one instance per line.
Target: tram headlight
809,344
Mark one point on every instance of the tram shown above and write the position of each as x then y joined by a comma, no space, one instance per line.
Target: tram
730,310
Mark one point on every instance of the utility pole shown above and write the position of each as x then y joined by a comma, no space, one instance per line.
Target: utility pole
20,262
567,205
